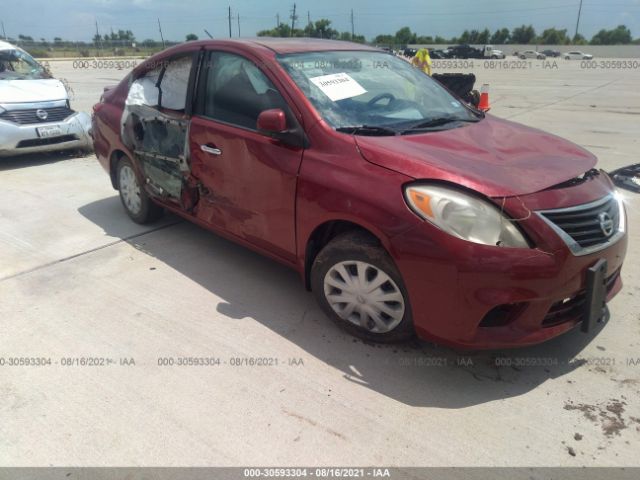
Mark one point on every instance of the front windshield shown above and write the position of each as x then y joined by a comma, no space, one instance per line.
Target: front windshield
374,89
18,65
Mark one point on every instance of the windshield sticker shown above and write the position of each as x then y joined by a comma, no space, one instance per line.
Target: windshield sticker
338,86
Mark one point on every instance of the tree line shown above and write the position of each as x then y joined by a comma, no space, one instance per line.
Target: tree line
524,34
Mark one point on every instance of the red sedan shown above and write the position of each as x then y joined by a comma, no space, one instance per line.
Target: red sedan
403,209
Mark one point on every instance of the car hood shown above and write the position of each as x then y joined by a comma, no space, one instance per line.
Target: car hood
24,91
495,157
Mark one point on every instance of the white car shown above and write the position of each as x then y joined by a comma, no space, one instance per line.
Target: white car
35,114
577,56
532,54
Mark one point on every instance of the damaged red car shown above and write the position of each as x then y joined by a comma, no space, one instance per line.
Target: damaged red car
405,210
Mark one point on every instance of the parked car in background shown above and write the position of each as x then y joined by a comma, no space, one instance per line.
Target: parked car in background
438,54
576,55
403,209
467,51
551,53
531,54
35,113
409,52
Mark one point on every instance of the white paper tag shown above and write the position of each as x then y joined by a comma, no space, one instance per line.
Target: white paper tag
338,86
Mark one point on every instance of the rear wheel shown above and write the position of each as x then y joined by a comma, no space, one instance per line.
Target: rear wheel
136,202
357,285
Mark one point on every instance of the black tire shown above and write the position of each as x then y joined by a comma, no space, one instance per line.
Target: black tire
360,246
148,212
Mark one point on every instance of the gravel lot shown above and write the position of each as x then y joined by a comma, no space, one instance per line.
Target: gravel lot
79,279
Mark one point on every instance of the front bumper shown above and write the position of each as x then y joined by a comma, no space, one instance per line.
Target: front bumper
18,139
475,296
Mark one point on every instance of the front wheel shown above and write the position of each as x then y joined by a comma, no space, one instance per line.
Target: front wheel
134,199
358,286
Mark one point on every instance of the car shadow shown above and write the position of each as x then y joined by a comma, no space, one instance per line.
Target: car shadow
415,373
37,159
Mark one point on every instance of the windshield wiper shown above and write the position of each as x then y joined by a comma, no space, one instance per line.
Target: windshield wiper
438,122
370,130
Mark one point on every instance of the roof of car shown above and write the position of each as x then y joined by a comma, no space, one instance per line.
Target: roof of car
297,45
287,45
6,46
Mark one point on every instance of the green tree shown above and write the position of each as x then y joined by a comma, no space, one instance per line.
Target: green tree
191,37
523,35
579,40
422,39
500,36
552,36
384,40
620,35
483,37
405,36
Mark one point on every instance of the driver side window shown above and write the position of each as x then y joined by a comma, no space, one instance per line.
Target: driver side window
236,91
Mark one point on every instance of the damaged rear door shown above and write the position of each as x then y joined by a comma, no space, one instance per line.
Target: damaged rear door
155,124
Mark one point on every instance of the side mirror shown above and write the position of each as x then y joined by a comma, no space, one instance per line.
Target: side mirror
272,121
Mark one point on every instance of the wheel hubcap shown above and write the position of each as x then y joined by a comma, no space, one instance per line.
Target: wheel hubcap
364,295
130,190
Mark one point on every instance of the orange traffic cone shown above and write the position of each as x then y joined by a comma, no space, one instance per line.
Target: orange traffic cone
484,98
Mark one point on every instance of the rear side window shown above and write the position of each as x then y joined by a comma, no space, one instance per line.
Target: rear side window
166,86
236,91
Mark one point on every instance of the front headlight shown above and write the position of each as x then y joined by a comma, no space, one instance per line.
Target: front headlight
464,216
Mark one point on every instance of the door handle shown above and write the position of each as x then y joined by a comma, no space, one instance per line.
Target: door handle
211,150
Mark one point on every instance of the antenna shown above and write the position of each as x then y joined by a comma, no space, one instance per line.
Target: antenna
239,26
210,36
229,21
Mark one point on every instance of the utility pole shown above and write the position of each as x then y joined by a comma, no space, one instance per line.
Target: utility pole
160,29
578,21
278,20
239,26
294,17
353,28
309,22
4,35
229,21
99,41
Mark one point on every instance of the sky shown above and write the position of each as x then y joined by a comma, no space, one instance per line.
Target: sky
76,19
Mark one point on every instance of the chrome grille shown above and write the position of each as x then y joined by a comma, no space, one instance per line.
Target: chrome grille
590,227
30,116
